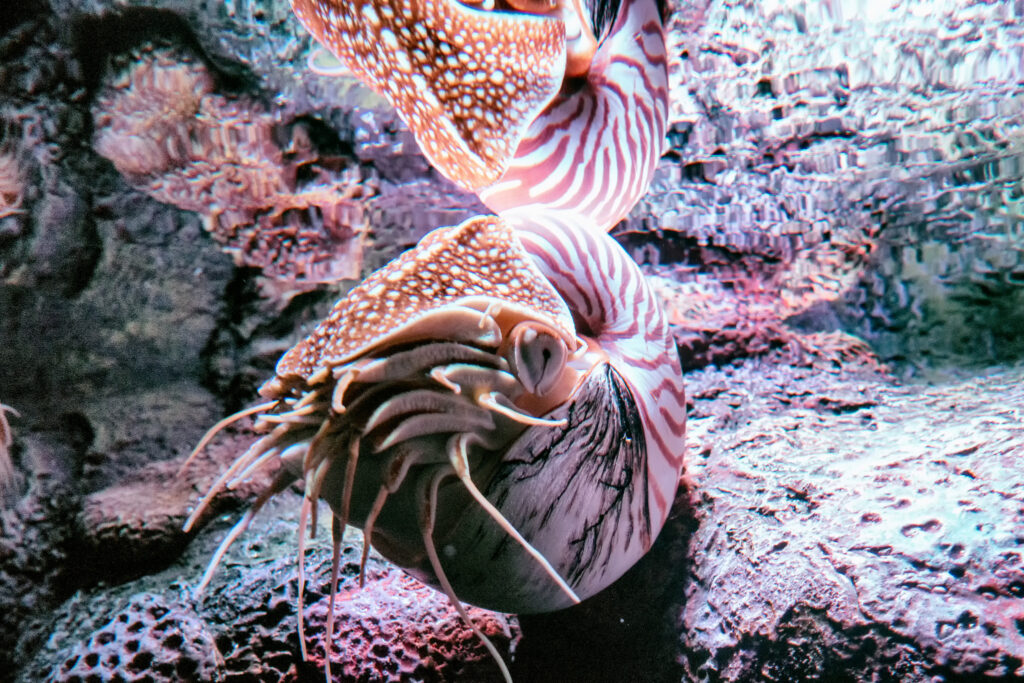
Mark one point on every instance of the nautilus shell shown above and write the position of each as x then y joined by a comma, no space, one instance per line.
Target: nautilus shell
501,408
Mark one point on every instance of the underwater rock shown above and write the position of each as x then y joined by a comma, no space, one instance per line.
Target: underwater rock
37,543
850,528
135,525
391,629
149,640
244,627
861,160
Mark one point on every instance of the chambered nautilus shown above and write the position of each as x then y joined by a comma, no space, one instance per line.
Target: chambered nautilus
501,408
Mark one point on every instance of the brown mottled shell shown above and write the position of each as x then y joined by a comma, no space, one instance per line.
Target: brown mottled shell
480,263
467,82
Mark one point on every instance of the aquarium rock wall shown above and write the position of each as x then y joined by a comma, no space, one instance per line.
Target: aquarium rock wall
836,230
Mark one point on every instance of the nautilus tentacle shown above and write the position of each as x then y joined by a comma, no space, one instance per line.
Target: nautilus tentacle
500,409
542,442
592,494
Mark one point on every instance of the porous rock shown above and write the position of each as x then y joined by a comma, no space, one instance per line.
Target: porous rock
244,627
149,640
393,628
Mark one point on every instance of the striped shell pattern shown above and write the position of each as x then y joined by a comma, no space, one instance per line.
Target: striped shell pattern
501,408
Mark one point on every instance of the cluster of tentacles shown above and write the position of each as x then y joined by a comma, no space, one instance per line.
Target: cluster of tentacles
507,391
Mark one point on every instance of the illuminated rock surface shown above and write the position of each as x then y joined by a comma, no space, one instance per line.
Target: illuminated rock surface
839,212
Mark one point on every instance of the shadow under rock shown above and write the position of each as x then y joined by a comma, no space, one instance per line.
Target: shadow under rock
627,632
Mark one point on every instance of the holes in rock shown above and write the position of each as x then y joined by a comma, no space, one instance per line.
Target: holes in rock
173,641
186,668
967,620
140,662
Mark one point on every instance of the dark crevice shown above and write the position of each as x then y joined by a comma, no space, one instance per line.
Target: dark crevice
95,39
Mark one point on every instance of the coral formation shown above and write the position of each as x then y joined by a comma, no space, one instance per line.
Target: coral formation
244,628
433,642
873,528
258,180
152,640
392,628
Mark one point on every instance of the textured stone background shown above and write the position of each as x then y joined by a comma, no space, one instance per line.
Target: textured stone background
838,217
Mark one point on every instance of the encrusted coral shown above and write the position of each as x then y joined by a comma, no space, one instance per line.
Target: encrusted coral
861,174
402,644
264,190
391,629
150,640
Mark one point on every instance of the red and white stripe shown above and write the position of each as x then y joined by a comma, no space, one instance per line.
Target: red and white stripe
608,292
593,151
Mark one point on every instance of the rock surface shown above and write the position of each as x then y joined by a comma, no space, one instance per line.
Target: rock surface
244,626
854,528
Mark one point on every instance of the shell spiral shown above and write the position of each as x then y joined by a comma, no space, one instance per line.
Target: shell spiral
501,408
